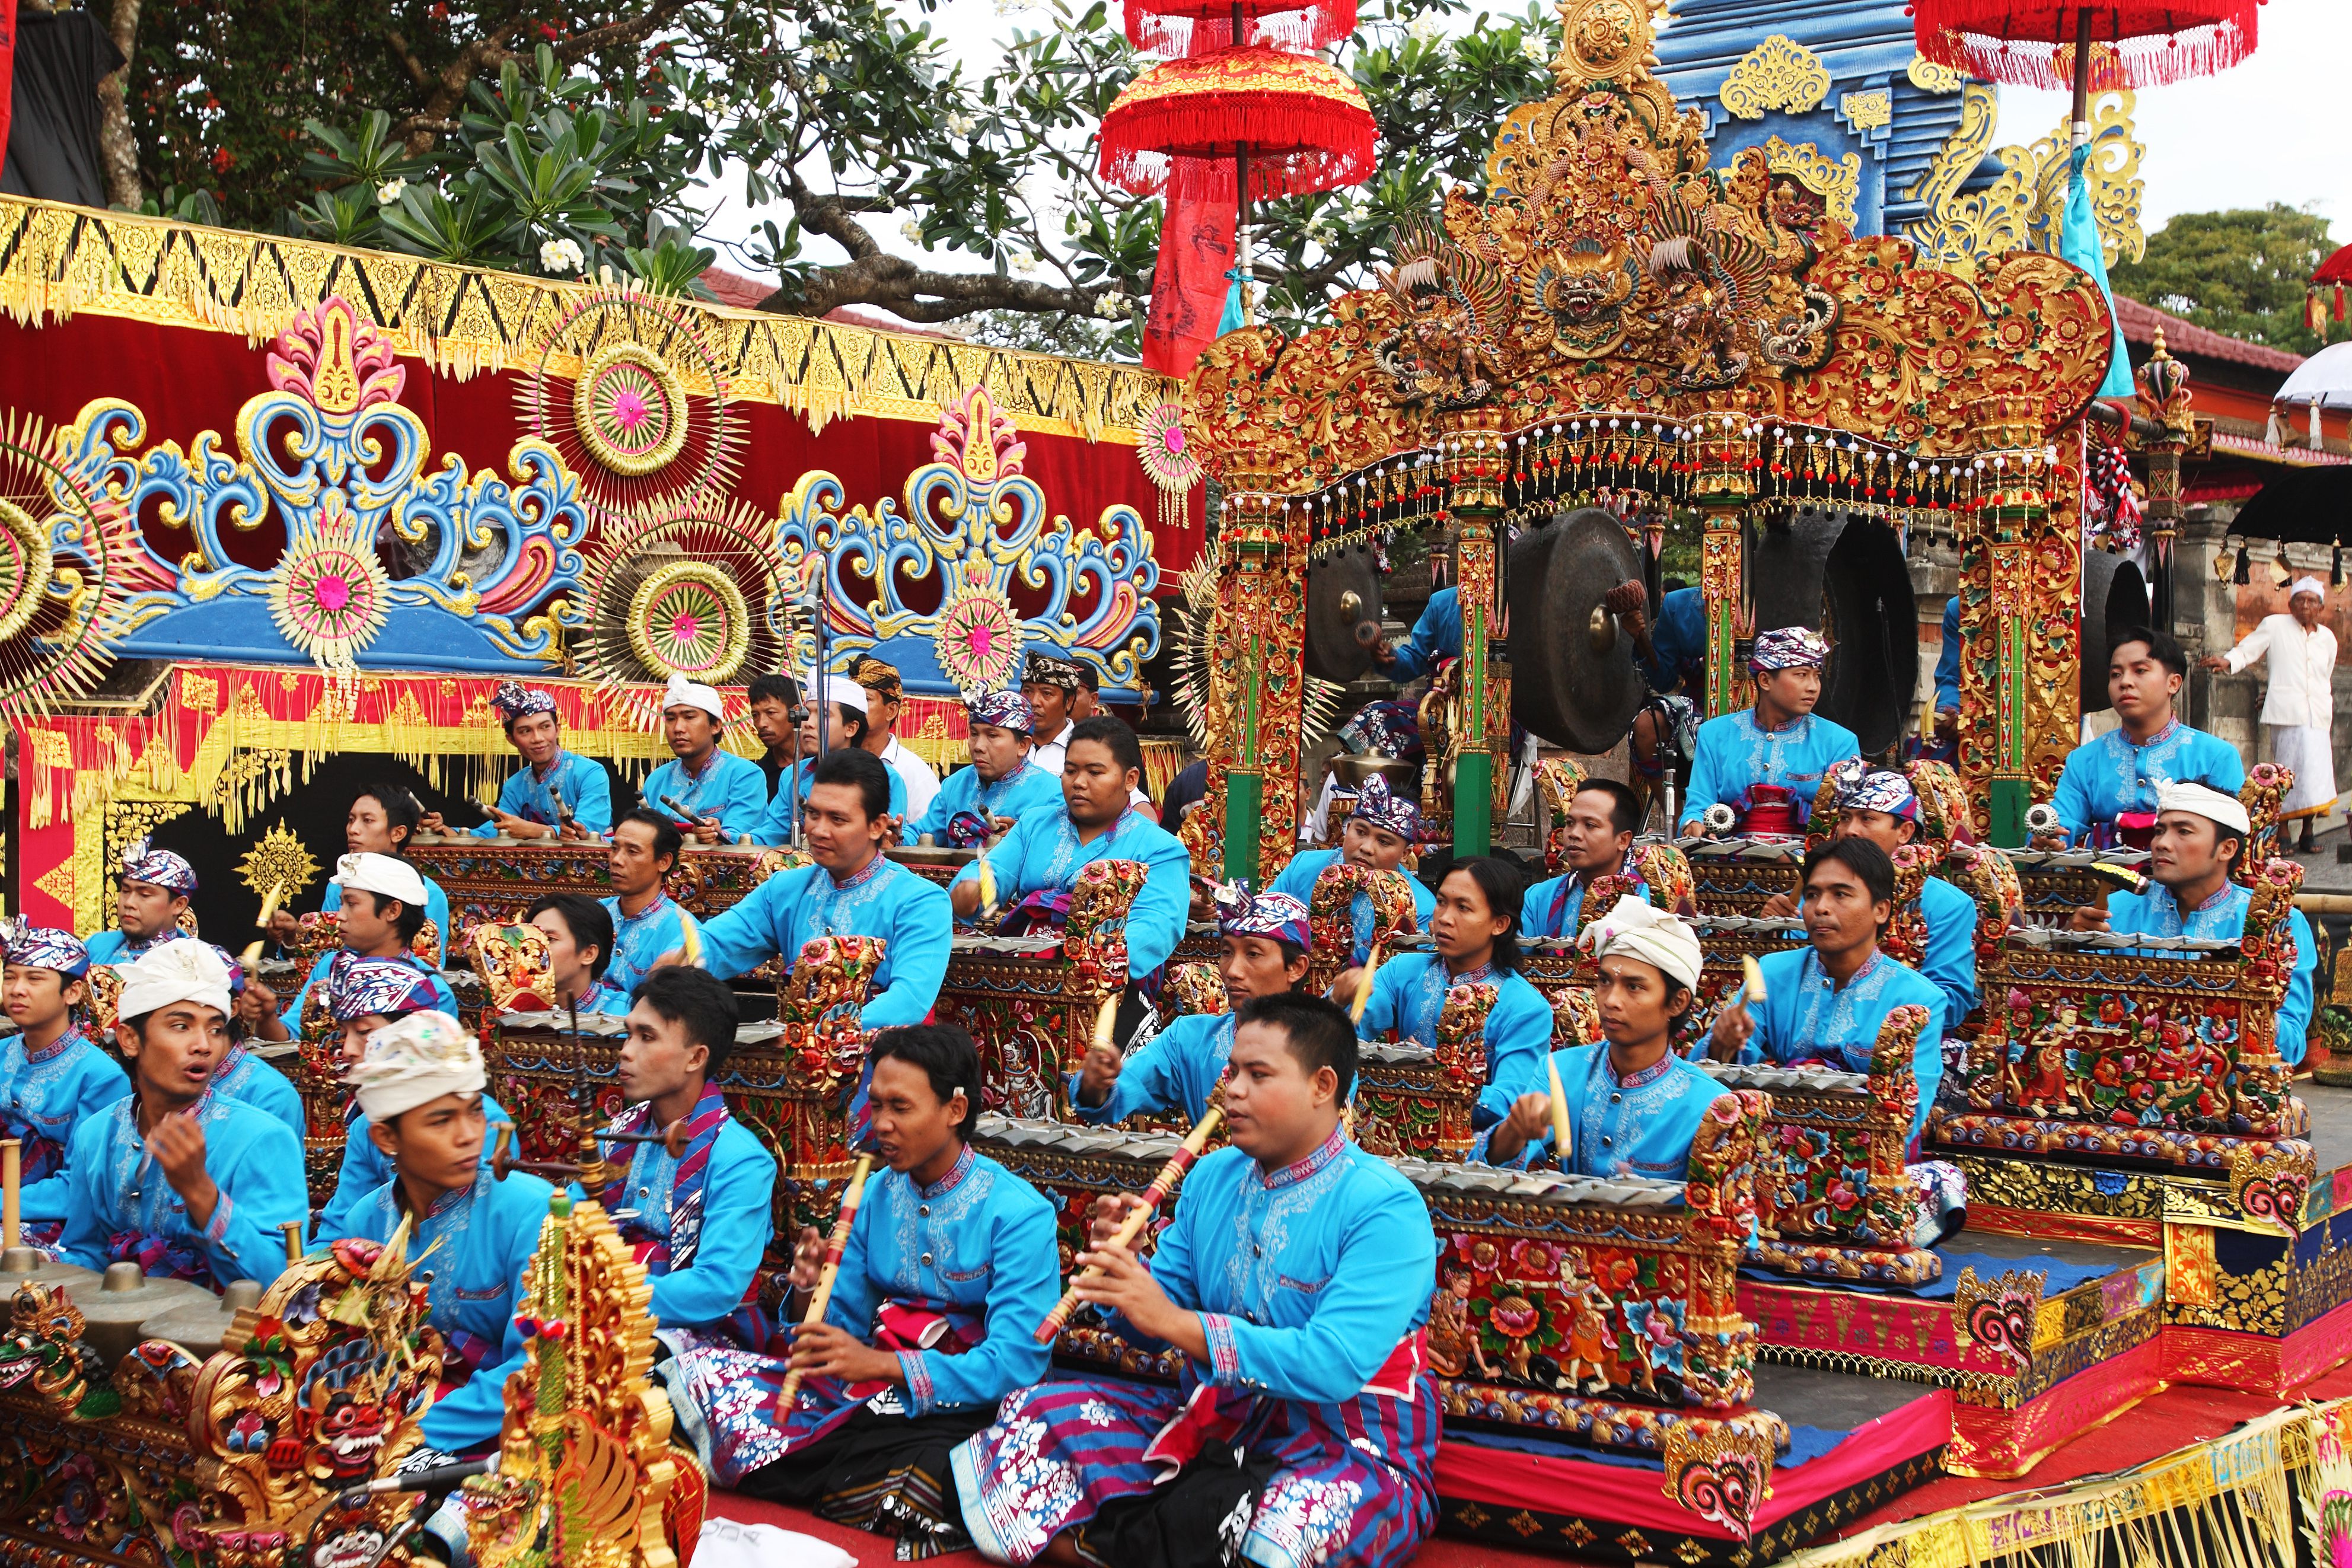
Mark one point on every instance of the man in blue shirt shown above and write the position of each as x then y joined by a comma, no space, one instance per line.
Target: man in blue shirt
649,927
2199,835
711,793
1597,841
1382,829
555,793
1436,637
382,902
156,888
2107,793
53,1076
1767,763
1948,686
383,819
839,704
1002,785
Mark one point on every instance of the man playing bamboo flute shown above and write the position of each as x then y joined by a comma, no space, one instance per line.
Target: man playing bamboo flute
175,1176
1634,1106
1295,1277
949,1265
53,1077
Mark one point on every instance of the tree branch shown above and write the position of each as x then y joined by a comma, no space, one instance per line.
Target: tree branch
915,294
118,148
405,57
579,45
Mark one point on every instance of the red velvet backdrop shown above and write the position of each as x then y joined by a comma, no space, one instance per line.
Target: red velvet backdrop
187,381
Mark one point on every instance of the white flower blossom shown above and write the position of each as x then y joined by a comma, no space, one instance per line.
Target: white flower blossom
1113,305
912,230
1421,29
1536,48
1023,262
389,192
959,123
560,255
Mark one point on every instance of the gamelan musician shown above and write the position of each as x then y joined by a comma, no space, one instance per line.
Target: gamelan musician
1263,941
1764,762
174,1176
366,995
837,703
2198,836
1036,865
721,795
1004,783
854,889
1382,828
2107,791
381,921
949,1265
579,935
382,820
53,1076
649,927
1295,1278
156,888
1597,841
1634,1106
1883,807
555,793
1475,933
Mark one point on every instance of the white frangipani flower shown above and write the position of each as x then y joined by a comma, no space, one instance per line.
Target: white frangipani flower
389,192
560,255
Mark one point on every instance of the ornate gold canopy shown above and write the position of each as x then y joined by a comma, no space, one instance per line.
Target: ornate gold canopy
1610,271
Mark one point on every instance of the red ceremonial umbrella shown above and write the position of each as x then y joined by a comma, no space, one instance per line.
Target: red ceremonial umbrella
2336,271
1196,26
2105,45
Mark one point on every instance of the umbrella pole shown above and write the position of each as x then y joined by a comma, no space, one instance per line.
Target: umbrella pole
2082,124
1241,201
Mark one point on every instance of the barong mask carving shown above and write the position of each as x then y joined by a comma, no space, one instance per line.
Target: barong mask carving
518,974
44,1356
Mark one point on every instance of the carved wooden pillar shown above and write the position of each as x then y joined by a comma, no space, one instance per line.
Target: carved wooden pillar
1256,681
1727,464
2163,383
1474,460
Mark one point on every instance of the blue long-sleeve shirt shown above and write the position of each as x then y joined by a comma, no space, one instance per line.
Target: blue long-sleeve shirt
364,1168
978,1246
792,785
736,1225
1177,1069
1639,1125
1805,1017
1735,753
1436,637
436,910
1025,791
485,1235
1553,908
245,1077
1297,879
2222,918
1409,995
1679,642
1947,659
117,1197
587,791
1041,853
1950,959
793,908
730,788
2105,777
661,927
45,1096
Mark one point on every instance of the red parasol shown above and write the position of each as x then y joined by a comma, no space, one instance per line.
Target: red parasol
1276,124
2130,43
1197,26
2334,272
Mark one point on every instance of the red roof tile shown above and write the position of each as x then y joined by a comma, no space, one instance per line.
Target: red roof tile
2140,322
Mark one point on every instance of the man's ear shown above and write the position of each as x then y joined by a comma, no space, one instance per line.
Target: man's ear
1326,1084
126,1040
386,1141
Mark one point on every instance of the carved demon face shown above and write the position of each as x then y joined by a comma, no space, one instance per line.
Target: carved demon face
348,1549
348,1438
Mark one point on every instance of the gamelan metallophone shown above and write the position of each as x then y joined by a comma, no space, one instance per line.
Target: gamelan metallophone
1603,1311
494,879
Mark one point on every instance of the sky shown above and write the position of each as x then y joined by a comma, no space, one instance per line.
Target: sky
2277,128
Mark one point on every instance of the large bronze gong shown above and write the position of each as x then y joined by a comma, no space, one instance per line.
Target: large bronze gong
1343,614
1845,577
2115,595
1573,681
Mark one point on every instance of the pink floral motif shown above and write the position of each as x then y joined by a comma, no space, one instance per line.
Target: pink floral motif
336,361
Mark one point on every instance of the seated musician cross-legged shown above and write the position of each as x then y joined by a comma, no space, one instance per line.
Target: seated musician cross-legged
2107,793
1634,1106
1380,830
1265,942
854,889
1036,865
1824,1003
364,996
1004,783
53,1076
420,1085
1296,1278
1598,841
156,888
2198,838
1766,763
182,1180
949,1265
1883,807
701,1222
1475,932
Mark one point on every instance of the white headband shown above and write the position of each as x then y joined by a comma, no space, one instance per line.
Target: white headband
1634,929
839,689
2210,804
182,970
384,875
683,693
415,1060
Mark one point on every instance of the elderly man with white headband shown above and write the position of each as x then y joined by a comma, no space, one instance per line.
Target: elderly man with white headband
420,1087
1634,1106
713,795
839,704
172,1176
2299,709
2201,835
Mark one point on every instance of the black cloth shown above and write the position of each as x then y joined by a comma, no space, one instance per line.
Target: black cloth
1188,788
880,1471
53,125
1197,1521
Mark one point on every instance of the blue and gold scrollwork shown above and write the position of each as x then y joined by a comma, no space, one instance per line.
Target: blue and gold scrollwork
363,529
973,540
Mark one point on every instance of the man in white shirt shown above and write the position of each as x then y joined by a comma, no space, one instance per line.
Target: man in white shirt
2300,709
884,696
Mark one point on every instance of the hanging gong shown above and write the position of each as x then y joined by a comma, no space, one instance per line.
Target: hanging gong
2115,595
1343,614
1573,681
1844,576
